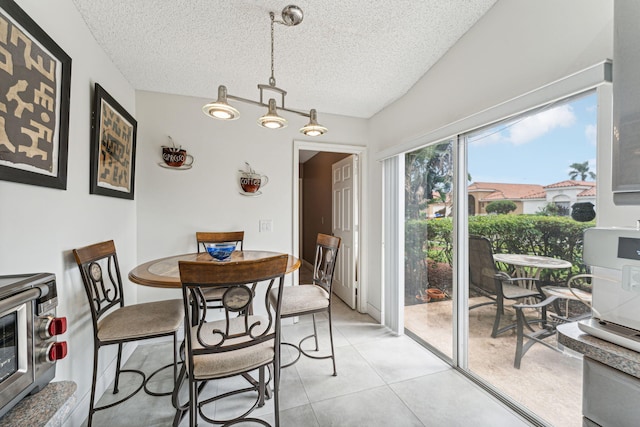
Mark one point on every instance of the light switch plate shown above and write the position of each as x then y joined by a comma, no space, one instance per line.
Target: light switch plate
266,226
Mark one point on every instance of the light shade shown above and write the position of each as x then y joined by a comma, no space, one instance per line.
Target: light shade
220,109
272,120
313,128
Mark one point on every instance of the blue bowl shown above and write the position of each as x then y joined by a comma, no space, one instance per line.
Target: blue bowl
220,251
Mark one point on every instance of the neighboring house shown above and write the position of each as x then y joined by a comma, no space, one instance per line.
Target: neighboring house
529,198
564,194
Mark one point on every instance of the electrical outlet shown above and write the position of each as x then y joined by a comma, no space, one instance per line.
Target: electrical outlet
266,226
631,278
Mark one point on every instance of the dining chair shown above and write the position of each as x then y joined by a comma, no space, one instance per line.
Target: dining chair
115,323
312,298
240,342
214,295
203,237
486,279
549,320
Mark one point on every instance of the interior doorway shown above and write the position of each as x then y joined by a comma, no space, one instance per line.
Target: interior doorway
316,210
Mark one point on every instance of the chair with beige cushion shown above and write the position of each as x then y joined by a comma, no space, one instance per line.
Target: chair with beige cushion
313,298
238,343
115,323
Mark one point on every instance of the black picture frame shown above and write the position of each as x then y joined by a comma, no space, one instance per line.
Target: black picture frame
113,147
34,111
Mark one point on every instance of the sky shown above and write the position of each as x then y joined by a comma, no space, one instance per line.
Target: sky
538,148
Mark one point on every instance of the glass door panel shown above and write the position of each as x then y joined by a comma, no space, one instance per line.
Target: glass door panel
428,246
529,179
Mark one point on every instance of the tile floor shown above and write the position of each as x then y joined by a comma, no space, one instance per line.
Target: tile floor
383,380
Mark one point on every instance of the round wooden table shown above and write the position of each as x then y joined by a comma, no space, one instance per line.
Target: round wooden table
164,273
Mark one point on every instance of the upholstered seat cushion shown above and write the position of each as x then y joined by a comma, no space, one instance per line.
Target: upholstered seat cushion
300,299
213,294
141,320
226,363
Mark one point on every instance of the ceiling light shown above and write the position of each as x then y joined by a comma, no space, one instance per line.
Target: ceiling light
272,120
220,109
313,128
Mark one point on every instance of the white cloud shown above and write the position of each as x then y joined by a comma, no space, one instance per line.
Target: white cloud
539,124
590,131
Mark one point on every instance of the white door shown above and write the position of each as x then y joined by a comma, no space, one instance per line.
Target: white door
345,225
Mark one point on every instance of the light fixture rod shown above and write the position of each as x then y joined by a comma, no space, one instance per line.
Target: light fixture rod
262,104
292,15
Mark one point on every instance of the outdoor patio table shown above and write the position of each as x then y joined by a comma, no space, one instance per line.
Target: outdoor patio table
530,265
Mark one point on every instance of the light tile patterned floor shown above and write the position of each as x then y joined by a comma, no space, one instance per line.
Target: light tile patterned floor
383,380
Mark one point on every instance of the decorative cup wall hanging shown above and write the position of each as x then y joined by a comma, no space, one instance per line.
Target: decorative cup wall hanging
175,157
34,102
113,147
251,181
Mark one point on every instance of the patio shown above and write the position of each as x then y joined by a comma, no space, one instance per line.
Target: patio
549,383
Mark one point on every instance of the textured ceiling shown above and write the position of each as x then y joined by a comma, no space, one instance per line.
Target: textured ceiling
349,57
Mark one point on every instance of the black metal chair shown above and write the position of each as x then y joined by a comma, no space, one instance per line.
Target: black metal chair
115,323
498,286
203,237
313,298
549,322
214,295
239,343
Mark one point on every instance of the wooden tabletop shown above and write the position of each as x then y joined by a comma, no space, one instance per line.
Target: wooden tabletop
164,273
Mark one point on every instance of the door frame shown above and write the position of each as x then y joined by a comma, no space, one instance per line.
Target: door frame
361,152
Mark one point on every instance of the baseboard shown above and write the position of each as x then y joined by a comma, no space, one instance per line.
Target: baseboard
374,312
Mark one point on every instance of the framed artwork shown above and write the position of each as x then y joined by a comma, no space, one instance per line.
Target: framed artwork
35,82
113,147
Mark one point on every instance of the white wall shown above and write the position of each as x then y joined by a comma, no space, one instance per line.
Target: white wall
40,226
518,46
174,204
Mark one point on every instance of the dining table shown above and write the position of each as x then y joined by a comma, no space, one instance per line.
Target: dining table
164,272
530,266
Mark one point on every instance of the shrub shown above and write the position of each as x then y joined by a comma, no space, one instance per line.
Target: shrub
501,207
559,237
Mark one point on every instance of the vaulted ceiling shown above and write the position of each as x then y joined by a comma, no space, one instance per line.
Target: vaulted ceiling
350,57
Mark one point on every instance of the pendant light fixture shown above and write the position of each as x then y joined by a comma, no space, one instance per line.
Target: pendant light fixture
220,109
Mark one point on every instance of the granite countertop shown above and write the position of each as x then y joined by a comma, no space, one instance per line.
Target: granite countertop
47,408
610,354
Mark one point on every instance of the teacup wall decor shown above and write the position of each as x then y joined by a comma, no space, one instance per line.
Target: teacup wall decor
251,181
175,157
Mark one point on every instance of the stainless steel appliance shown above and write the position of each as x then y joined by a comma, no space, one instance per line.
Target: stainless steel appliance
28,335
610,395
614,254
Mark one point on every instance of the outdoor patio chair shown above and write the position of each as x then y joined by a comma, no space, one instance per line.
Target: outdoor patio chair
498,286
548,325
548,321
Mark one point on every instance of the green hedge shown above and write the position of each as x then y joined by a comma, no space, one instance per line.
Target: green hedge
553,236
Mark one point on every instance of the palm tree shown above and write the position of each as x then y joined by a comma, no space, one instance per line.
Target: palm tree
581,170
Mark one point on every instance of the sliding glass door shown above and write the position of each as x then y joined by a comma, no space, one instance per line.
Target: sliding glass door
529,192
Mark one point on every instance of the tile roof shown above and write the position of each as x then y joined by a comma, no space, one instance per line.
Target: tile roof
500,190
506,191
571,183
